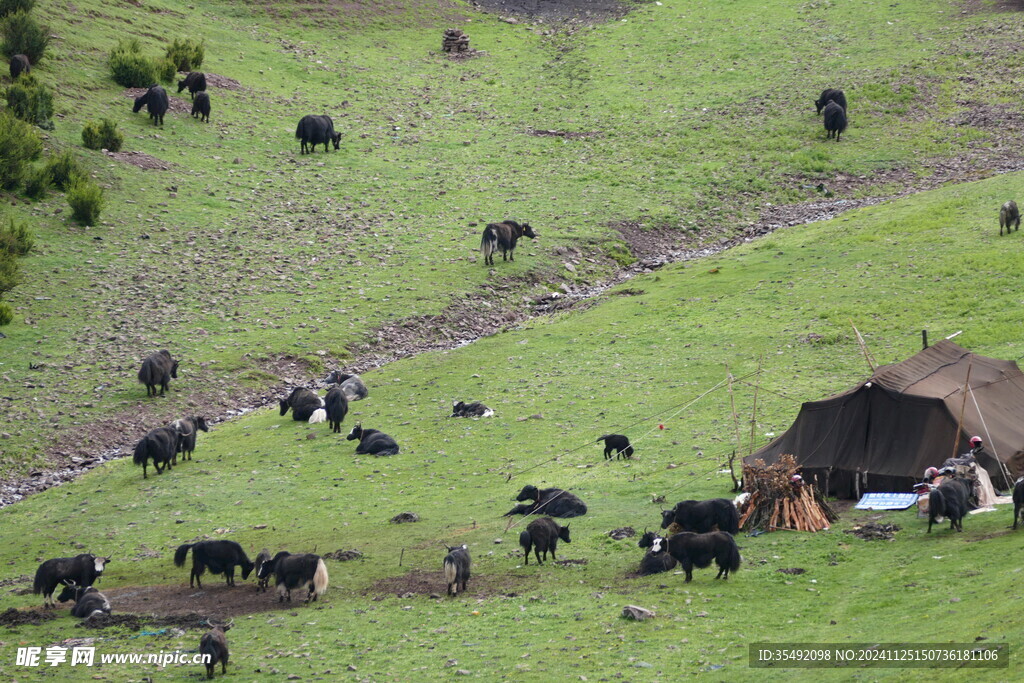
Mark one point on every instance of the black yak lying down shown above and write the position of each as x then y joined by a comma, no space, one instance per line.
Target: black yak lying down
702,516
553,502
88,600
654,563
352,385
372,442
542,535
699,550
475,409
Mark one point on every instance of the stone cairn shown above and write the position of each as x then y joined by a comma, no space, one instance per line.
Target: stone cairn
455,41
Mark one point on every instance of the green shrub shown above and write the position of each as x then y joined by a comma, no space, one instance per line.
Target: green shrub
31,101
6,313
85,199
129,67
165,70
23,35
19,145
15,238
38,182
9,277
186,54
102,135
12,6
63,168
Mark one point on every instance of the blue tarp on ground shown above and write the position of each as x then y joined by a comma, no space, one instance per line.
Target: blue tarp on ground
886,501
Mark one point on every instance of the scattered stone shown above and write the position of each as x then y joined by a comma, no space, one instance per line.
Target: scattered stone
795,571
637,613
405,517
624,532
342,555
873,532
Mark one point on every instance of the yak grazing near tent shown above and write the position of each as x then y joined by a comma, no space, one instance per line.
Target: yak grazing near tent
882,434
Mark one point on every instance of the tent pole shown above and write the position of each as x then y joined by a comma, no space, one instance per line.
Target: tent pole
736,426
963,404
863,347
753,413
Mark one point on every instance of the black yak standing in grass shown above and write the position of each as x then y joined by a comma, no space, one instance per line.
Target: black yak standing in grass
262,581
553,502
542,535
187,428
220,557
201,107
312,130
83,570
214,645
701,516
336,407
618,443
195,81
161,446
292,572
503,236
20,65
949,499
157,104
456,569
1018,500
158,369
1009,216
835,120
830,95
699,550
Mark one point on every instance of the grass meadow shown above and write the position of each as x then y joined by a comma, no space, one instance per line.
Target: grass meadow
244,251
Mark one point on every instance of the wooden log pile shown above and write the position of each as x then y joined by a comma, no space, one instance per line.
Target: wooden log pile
455,41
777,502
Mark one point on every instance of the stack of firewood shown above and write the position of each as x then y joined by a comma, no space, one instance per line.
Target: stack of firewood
455,41
777,501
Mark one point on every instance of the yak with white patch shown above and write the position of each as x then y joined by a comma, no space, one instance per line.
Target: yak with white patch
83,570
352,385
456,565
475,409
187,428
372,441
88,600
700,550
220,557
303,403
553,502
294,572
654,563
503,236
262,581
313,130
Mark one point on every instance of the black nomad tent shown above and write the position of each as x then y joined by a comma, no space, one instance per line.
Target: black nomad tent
882,434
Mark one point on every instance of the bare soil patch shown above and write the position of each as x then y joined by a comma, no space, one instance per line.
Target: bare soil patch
218,81
567,134
13,618
874,532
215,600
584,11
140,159
987,7
424,583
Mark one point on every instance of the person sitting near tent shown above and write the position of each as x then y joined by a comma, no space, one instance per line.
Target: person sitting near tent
968,458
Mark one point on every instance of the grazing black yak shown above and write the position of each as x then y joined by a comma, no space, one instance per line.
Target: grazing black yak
372,442
1009,216
88,600
156,102
835,120
201,107
618,443
503,236
195,81
84,570
158,369
20,65
543,534
161,446
553,502
456,569
701,516
830,95
698,550
220,557
187,428
292,572
949,499
303,404
312,130
262,581
1018,500
475,409
654,563
214,645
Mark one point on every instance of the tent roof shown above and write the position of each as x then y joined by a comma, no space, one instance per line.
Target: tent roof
941,371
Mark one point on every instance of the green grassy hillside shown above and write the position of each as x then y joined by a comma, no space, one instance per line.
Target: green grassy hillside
242,253
245,256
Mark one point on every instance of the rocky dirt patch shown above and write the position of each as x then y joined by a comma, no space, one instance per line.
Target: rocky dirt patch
188,605
874,532
140,159
13,618
584,11
432,584
218,81
566,134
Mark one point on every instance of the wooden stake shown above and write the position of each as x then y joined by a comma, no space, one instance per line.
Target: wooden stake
753,412
736,427
863,348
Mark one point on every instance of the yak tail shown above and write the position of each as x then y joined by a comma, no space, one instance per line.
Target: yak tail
936,503
733,521
525,540
488,244
451,571
181,553
320,578
39,585
141,451
734,558
319,415
602,438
